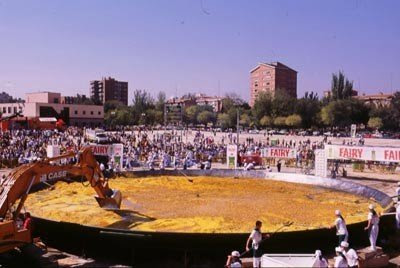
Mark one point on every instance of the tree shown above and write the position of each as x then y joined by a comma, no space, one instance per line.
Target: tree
343,113
191,113
119,116
308,108
293,120
112,105
223,121
280,121
231,100
282,104
266,121
142,101
327,116
6,98
341,87
262,105
387,115
245,120
206,117
375,123
161,98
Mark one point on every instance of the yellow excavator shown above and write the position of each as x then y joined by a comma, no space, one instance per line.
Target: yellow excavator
17,185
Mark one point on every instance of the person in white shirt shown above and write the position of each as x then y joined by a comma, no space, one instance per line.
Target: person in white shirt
341,228
102,167
249,166
256,237
320,261
340,259
373,226
233,260
351,255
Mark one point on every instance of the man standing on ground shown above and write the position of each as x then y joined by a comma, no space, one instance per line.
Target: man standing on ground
256,237
279,165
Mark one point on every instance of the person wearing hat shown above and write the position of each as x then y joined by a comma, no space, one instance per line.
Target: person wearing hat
233,260
319,260
373,226
341,228
340,259
351,255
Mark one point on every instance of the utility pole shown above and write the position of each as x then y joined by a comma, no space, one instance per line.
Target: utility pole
237,127
165,127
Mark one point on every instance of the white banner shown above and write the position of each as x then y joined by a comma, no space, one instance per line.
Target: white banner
364,153
231,156
276,152
118,154
321,163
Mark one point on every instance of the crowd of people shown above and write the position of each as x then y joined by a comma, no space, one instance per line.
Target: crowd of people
185,149
146,148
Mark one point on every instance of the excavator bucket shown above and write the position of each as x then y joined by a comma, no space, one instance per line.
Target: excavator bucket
113,202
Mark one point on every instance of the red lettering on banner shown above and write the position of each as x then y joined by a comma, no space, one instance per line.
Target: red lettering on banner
100,150
350,152
392,155
280,152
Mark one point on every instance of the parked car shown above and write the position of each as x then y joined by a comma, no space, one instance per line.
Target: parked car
282,132
377,135
302,133
316,133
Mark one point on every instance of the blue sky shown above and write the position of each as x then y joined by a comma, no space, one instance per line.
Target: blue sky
196,46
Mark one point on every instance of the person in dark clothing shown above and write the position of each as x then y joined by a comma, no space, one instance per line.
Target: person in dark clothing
279,165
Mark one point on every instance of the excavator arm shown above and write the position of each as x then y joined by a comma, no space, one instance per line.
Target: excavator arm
17,185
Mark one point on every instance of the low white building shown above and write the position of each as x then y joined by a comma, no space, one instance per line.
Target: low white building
48,105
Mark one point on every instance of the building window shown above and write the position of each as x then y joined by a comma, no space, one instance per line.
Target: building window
55,100
91,112
4,110
15,110
83,112
9,109
76,112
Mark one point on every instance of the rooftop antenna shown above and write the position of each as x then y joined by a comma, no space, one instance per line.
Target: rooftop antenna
219,88
391,83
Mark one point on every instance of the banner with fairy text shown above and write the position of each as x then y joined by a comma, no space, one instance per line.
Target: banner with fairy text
114,151
277,152
363,153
